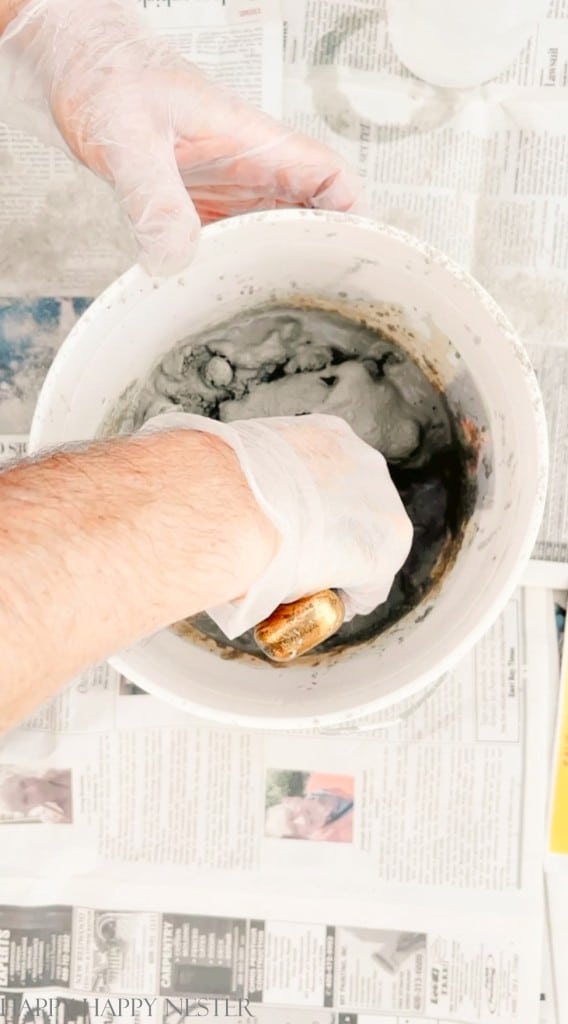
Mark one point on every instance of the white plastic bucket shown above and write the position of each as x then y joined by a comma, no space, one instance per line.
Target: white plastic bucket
447,322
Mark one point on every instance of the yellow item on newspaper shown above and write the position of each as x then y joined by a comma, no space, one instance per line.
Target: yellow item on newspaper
558,839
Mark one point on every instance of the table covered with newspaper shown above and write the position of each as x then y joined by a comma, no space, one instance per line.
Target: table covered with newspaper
156,867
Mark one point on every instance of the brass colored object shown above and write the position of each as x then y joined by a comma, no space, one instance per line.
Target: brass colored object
296,628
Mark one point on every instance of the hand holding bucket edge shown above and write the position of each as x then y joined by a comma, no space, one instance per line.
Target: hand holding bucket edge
179,149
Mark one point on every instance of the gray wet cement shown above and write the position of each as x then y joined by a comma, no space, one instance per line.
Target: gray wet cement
290,362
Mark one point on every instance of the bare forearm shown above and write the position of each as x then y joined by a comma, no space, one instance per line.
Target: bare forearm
102,546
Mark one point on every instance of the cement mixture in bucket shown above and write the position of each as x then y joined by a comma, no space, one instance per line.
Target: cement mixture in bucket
288,361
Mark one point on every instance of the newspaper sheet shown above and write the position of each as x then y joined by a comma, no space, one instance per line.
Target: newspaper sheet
384,876
481,173
381,875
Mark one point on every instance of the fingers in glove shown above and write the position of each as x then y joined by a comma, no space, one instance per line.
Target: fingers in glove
163,217
386,552
274,175
240,147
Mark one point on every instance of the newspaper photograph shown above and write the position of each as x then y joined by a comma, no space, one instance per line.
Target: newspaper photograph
32,795
114,951
310,805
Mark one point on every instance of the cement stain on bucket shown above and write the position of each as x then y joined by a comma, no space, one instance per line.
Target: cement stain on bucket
297,358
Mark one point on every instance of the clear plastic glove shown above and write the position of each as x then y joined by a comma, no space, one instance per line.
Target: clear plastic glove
330,496
178,148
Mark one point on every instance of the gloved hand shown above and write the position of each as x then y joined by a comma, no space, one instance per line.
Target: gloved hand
329,494
90,76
